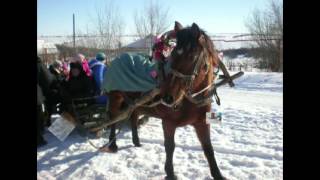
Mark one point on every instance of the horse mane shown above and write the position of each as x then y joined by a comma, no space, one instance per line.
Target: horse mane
185,35
211,48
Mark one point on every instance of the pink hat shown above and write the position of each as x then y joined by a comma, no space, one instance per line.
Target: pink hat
78,58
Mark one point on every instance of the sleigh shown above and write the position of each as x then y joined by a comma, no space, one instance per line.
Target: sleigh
94,117
88,113
91,117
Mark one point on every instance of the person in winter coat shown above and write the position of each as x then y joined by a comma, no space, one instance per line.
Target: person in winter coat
44,81
80,58
65,68
78,85
56,68
98,69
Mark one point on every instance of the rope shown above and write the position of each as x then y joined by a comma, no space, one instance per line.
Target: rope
106,145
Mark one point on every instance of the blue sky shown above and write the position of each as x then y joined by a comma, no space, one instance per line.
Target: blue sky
214,16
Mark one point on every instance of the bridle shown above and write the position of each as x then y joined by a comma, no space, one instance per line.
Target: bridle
189,80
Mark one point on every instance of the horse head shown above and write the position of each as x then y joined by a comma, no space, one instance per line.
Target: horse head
193,61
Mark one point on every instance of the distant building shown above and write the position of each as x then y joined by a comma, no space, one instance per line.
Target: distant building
47,51
141,45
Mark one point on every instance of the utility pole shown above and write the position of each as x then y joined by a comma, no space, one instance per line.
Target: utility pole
281,55
74,36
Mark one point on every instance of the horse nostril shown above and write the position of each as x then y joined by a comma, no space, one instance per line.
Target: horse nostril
168,99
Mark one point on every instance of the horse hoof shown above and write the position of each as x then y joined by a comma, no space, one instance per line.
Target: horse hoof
113,148
107,149
220,178
171,177
137,145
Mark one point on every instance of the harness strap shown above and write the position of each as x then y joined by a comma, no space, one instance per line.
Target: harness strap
200,102
204,89
180,75
216,95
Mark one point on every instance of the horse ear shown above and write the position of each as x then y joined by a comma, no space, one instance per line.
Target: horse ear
195,30
177,26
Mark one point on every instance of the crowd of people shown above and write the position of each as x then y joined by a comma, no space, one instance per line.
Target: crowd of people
63,81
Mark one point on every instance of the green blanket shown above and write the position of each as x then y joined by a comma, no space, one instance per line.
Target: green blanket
131,73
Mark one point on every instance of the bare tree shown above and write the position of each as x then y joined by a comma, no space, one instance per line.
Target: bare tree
108,25
153,19
87,41
267,26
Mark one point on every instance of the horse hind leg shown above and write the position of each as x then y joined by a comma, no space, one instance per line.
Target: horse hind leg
112,139
116,101
203,133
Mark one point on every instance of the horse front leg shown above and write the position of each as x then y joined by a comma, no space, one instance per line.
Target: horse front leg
203,133
169,131
134,128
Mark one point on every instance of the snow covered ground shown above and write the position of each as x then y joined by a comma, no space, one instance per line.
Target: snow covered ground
248,144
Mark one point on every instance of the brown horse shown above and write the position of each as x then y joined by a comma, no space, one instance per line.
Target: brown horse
193,61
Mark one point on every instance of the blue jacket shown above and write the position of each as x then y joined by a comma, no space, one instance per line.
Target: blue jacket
98,70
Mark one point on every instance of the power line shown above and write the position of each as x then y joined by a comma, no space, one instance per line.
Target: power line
236,38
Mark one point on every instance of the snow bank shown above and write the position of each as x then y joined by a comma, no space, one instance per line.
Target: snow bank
260,81
248,144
